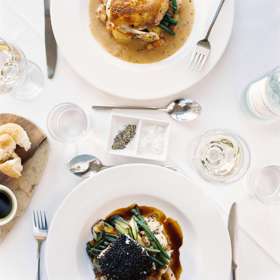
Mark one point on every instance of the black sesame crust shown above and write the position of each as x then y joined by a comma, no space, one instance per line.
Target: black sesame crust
125,260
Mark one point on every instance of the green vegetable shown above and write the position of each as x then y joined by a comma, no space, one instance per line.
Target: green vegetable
121,229
122,226
167,29
92,251
117,226
152,250
174,5
154,241
118,219
158,262
109,237
108,228
102,241
94,235
168,19
99,236
102,247
134,228
107,224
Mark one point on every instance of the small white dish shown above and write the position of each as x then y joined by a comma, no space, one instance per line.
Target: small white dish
12,214
150,141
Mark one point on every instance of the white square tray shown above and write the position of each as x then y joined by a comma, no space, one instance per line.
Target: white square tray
133,149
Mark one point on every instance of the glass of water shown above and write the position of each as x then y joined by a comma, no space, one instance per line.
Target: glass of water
18,76
263,96
264,184
67,123
221,156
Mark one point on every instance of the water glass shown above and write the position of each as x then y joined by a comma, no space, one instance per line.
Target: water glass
67,123
263,96
264,184
18,76
221,156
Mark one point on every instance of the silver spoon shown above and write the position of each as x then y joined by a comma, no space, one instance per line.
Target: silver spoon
183,109
85,165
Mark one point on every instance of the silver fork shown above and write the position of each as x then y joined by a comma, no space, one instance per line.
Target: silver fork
203,47
40,232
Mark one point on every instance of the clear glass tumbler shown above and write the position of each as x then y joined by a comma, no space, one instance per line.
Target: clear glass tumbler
67,123
221,156
264,184
263,96
18,76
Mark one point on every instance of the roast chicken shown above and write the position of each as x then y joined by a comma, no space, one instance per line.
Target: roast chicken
127,19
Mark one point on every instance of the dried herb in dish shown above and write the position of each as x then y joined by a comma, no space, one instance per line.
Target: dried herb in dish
124,137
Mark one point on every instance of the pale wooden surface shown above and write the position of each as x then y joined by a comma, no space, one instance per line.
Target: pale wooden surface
34,163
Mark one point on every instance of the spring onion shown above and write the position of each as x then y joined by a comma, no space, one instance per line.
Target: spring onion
142,224
167,29
174,5
169,19
158,262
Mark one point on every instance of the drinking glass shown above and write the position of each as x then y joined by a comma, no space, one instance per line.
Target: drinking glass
263,96
264,184
221,156
67,123
18,76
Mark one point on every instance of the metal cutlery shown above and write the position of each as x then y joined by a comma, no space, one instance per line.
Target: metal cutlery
40,232
203,47
232,228
86,165
183,109
50,43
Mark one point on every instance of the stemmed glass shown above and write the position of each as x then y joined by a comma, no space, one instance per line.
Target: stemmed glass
221,156
18,76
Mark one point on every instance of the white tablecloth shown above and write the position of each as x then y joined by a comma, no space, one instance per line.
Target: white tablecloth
253,50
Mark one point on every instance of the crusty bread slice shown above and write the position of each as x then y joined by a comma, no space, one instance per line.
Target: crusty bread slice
17,133
12,167
7,147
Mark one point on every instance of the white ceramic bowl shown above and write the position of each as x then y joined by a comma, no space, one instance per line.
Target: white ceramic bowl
205,253
137,81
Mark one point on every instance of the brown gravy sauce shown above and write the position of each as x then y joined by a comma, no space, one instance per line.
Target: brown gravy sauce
172,229
134,51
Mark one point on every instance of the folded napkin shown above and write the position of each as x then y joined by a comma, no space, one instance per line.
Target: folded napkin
261,222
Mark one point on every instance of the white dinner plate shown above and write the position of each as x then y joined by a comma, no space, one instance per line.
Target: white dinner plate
70,20
205,254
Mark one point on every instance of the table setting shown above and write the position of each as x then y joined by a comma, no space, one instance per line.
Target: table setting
139,139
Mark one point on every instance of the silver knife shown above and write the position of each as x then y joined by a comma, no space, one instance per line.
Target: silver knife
50,43
232,228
